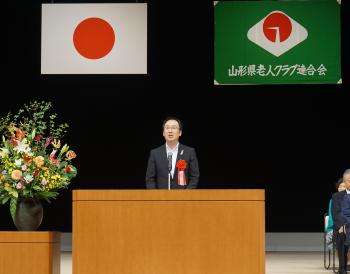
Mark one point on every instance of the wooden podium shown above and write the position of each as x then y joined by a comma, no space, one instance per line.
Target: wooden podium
29,252
168,232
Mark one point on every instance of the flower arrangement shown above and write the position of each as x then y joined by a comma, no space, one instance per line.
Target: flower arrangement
33,164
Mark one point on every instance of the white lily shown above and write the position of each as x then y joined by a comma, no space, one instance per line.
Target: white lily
22,146
18,162
28,178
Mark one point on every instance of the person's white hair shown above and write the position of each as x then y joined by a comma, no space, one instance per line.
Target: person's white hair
346,172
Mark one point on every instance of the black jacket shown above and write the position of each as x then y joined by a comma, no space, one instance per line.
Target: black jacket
157,168
337,214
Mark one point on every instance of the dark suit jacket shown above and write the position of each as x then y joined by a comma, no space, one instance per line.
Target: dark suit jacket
157,168
337,209
346,215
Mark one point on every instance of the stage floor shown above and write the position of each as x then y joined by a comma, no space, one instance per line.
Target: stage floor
295,262
276,263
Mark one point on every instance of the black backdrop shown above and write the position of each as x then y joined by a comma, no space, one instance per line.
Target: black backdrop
292,140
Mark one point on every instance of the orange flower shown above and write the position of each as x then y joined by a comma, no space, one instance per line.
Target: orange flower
19,134
16,174
71,155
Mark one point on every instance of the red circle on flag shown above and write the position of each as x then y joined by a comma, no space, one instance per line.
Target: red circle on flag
277,27
93,38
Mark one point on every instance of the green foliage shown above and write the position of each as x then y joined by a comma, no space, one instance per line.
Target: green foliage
13,207
47,195
38,116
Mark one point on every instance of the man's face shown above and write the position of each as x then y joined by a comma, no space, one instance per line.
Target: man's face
347,181
171,131
341,187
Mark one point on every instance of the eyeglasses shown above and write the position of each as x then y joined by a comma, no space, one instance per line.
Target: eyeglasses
171,127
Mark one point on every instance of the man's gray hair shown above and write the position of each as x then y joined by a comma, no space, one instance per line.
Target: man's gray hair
346,172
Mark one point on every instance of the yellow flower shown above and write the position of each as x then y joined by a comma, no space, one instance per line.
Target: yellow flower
64,149
16,174
39,161
6,184
4,152
56,143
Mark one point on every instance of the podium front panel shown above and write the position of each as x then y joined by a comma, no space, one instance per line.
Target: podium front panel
173,232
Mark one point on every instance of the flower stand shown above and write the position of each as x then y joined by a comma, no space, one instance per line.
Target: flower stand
35,252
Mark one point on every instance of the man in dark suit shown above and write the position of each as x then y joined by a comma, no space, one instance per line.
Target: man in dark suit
172,165
341,220
346,207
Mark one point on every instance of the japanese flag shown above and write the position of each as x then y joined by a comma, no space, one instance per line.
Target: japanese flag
94,39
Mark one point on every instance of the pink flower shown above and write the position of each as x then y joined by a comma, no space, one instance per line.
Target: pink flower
19,186
48,141
52,158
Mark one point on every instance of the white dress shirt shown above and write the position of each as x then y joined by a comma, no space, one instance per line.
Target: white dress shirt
174,156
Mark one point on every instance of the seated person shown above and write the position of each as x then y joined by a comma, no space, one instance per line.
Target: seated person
341,222
339,186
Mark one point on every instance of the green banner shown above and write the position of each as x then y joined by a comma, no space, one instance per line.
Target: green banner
277,42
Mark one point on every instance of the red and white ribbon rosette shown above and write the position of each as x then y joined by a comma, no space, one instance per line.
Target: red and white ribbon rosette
181,177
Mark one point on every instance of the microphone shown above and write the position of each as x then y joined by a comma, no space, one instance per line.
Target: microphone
170,161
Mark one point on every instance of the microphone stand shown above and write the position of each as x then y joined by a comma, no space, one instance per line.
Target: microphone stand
169,169
169,179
